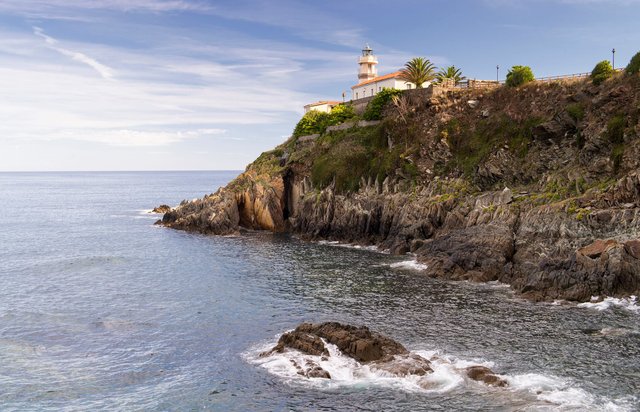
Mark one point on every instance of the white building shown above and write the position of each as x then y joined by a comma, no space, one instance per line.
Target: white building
321,106
370,83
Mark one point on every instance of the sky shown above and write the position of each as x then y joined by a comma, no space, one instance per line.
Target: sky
208,85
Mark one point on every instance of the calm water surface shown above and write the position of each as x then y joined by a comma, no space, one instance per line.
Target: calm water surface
101,310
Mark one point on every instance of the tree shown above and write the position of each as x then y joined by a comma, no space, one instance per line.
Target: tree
418,71
601,72
451,72
377,104
634,64
519,75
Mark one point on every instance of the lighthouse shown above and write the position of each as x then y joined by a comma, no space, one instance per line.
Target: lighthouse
367,64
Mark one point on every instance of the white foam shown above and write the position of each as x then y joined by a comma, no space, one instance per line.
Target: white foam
607,303
409,264
449,373
562,394
371,248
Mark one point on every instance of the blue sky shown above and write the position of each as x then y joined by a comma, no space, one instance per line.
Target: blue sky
209,85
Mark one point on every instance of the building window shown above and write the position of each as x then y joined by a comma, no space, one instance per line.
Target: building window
408,86
356,95
371,92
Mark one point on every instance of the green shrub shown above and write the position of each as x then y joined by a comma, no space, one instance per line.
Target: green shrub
615,129
375,106
317,122
634,65
576,111
312,122
519,75
342,113
616,156
601,72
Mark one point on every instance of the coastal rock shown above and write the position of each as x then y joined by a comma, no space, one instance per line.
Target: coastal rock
485,375
381,353
303,341
597,248
434,187
403,365
356,342
311,370
252,201
161,209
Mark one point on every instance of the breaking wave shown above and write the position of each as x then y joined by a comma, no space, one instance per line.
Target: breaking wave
630,303
529,391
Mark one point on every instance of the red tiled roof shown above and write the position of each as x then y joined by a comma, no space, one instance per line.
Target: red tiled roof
334,102
378,79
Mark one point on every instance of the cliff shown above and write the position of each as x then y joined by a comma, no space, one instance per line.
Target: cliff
537,187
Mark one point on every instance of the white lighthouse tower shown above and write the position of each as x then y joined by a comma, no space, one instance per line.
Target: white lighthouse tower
367,64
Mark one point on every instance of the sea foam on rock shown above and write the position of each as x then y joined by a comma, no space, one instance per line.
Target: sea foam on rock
379,353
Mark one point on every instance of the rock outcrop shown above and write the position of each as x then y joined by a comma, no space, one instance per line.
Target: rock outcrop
380,353
161,209
542,192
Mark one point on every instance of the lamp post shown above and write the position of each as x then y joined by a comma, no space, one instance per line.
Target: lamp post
613,58
497,73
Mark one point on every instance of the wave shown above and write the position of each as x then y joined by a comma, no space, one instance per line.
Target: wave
630,303
371,248
529,391
409,265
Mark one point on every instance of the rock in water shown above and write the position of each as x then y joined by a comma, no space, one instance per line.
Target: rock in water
359,343
356,342
486,375
380,353
161,209
304,342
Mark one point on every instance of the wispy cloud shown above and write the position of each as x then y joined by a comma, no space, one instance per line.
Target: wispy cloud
124,137
41,6
162,95
103,70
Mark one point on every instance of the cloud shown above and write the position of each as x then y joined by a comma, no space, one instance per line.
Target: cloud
102,69
124,137
42,7
162,95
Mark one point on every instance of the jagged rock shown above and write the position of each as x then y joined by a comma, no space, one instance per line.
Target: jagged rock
311,370
378,351
555,128
403,365
597,248
303,341
357,342
161,209
485,375
632,247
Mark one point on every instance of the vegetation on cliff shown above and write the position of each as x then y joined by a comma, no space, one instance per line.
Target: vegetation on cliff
418,71
601,72
519,75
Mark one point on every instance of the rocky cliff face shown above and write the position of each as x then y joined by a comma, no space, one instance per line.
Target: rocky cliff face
537,187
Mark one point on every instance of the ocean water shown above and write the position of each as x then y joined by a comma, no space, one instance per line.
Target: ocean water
102,310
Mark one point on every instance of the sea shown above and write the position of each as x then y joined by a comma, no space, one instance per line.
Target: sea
100,309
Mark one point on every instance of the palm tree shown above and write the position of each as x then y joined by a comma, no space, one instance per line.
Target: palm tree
451,72
418,71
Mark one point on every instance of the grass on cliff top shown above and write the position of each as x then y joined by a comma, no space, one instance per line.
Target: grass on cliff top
471,147
347,156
